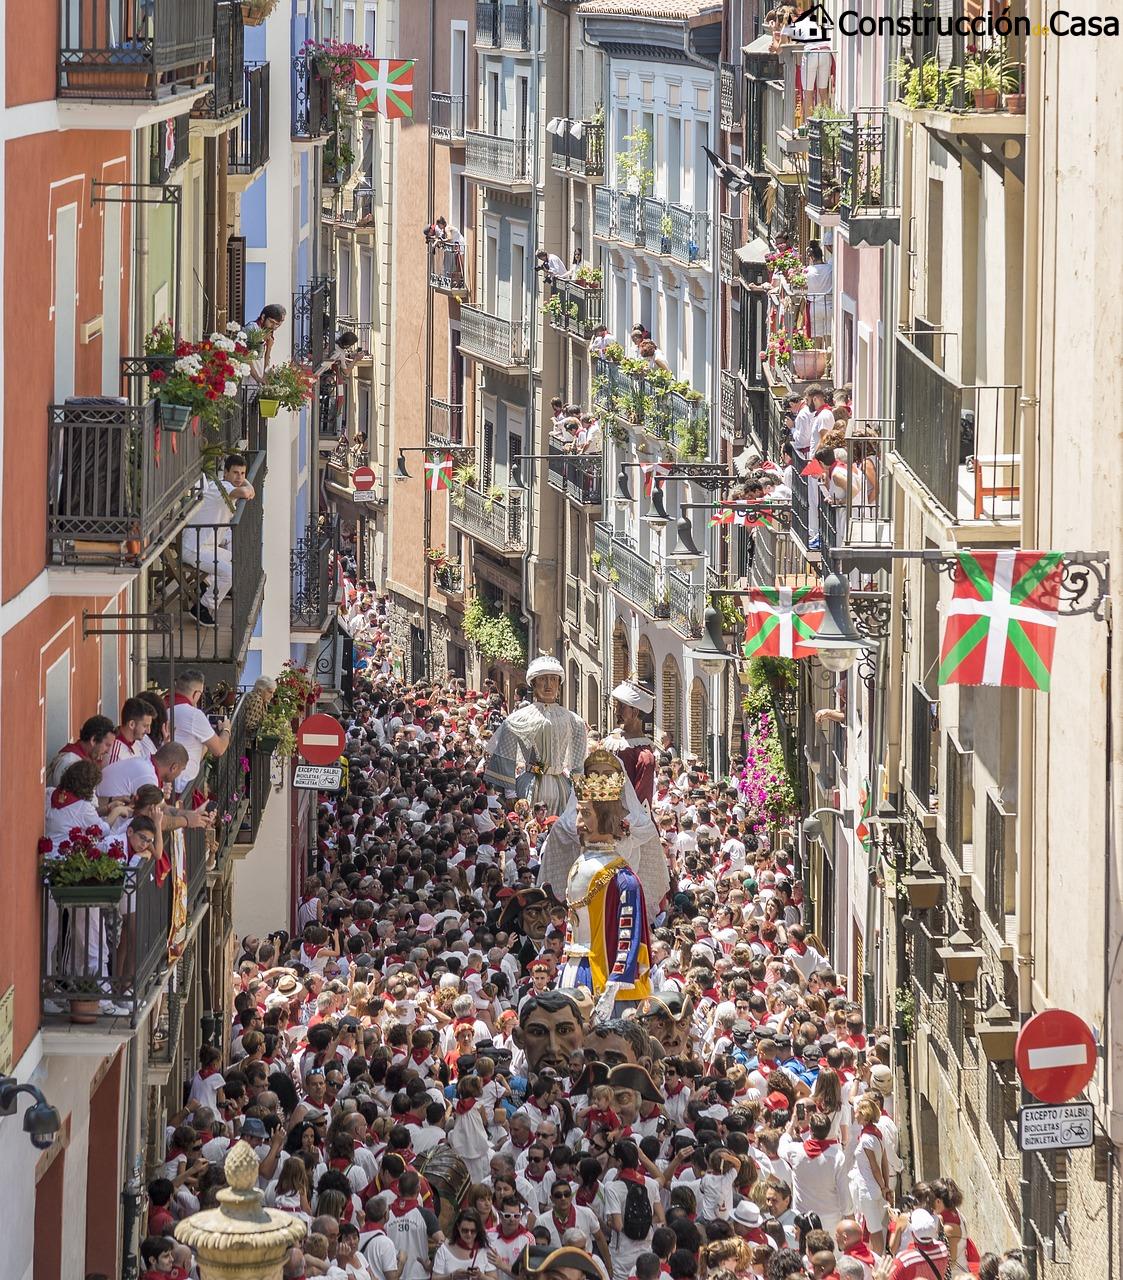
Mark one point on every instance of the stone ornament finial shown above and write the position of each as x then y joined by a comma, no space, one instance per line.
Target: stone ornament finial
241,1239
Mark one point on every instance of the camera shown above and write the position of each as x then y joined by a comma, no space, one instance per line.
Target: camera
40,1122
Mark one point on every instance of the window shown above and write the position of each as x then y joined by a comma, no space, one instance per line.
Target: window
674,159
110,690
491,123
369,28
56,707
487,451
66,301
111,299
1000,855
344,275
458,69
349,24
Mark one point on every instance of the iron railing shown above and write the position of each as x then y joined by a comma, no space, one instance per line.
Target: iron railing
116,952
576,475
626,571
249,142
955,61
1048,1203
116,488
313,317
493,339
824,138
165,159
957,797
730,415
447,422
575,308
446,117
505,162
675,231
230,781
729,233
646,403
121,51
211,569
685,604
1001,1109
446,267
923,732
514,29
581,153
999,863
312,109
963,443
487,23
730,116
869,201
499,522
228,94
310,564
449,578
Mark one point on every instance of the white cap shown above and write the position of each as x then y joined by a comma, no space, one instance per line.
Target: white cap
544,666
922,1225
633,695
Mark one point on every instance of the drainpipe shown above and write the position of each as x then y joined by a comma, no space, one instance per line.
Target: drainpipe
426,496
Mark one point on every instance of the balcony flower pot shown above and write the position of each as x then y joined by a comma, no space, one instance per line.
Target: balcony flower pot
961,958
175,417
808,364
986,99
84,1010
923,886
268,407
103,894
1014,103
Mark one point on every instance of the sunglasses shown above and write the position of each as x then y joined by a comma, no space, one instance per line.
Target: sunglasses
561,1195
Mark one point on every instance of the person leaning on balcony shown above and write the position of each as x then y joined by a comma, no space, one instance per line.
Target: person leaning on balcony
551,266
206,540
129,780
94,741
136,720
601,340
193,729
820,291
655,358
157,734
267,323
72,804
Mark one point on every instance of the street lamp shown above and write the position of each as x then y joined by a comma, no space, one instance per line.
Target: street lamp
837,643
710,653
812,827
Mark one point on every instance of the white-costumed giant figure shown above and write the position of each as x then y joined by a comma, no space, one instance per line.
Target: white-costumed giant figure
536,748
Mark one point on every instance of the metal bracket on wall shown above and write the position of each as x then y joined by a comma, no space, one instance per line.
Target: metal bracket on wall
136,193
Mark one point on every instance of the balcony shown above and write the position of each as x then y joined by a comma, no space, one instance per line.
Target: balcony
123,51
574,308
616,216
249,142
730,106
494,340
674,231
498,162
498,522
448,578
228,94
824,178
577,476
962,443
162,161
731,418
116,489
354,216
446,118
863,517
338,158
684,604
655,406
447,268
447,423
312,108
729,241
312,597
313,318
238,782
502,26
869,204
617,561
578,148
206,561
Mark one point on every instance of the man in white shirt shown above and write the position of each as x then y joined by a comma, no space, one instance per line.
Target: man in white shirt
206,538
193,729
819,1178
820,300
136,720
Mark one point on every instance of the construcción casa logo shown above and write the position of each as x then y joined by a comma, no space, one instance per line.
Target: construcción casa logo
816,24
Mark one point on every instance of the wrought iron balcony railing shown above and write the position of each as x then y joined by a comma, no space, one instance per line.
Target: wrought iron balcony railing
676,231
447,268
164,160
249,142
824,189
729,236
132,52
447,422
498,522
313,317
575,308
617,560
502,26
730,114
649,405
580,152
869,203
228,94
311,100
449,578
493,339
446,117
312,589
578,476
501,162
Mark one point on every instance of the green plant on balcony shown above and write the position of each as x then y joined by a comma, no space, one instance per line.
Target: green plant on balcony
495,494
552,307
598,114
617,431
588,277
830,128
336,60
732,619
923,86
463,479
904,1004
985,77
633,173
595,559
692,440
614,353
83,858
498,637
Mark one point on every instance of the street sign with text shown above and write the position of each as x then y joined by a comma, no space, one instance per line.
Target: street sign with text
1055,1055
1055,1128
317,777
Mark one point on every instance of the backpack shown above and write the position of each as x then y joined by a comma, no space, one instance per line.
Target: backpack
637,1212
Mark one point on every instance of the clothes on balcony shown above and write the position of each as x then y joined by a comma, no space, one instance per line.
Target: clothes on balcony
533,752
820,298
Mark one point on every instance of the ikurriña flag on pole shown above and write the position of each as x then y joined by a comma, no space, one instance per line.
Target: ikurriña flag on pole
438,472
780,620
385,86
1001,621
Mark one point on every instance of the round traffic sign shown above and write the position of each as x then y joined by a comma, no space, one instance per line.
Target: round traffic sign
1055,1054
320,739
363,478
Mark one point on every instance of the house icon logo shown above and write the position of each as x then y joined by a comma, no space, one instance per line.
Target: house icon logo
812,26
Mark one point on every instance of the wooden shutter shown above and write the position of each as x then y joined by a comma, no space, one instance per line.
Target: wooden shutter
236,278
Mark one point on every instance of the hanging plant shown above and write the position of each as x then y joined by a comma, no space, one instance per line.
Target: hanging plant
769,782
497,636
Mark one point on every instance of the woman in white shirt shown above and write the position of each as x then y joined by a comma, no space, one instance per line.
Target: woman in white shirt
464,1256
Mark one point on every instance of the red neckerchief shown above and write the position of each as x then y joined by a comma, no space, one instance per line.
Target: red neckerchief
492,1223
632,1175
339,1163
61,799
75,749
855,1042
522,1146
800,948
464,1105
814,1147
421,1056
570,1220
311,954
756,1236
535,1177
873,1131
401,1207
181,700
129,742
206,1072
586,1195
862,1252
766,1066
674,1093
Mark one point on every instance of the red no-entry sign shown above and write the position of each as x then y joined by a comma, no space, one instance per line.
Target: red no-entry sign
363,478
320,739
1055,1055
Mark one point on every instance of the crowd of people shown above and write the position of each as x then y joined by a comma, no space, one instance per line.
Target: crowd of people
424,1094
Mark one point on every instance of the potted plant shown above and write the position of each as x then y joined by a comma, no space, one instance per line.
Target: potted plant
985,77
84,999
289,385
336,60
203,380
588,277
84,870
806,360
1015,103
